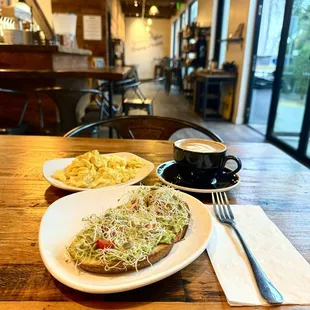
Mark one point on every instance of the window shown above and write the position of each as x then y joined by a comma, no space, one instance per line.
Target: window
176,37
193,12
184,19
224,34
174,31
172,40
182,24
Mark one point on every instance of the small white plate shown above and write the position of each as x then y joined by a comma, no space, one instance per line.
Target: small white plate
63,220
51,166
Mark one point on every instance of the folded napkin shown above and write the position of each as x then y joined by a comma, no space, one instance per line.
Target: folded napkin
281,262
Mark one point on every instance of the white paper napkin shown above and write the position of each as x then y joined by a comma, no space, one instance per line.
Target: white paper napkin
281,262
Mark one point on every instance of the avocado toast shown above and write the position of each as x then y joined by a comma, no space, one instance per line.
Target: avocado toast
136,234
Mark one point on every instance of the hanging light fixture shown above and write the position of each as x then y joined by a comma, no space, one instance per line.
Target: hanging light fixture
136,3
149,22
153,10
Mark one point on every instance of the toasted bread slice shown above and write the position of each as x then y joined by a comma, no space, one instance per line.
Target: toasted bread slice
159,252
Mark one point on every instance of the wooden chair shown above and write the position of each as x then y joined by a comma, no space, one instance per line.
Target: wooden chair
7,126
141,127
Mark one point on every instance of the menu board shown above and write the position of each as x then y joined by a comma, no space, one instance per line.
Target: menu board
92,27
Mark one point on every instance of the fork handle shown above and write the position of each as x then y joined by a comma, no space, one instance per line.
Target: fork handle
266,288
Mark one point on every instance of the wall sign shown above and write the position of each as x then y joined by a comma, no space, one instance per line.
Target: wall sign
92,27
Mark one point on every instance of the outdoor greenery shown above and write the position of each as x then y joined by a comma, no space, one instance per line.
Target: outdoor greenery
301,43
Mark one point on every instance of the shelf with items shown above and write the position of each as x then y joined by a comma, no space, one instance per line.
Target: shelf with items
233,40
193,51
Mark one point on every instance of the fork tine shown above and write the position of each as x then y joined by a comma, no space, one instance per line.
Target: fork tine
215,207
221,212
220,205
224,207
228,207
218,213
213,200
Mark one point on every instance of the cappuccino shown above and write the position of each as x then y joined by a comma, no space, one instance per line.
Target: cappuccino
200,146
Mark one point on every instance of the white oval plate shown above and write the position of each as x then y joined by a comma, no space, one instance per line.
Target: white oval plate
51,166
63,220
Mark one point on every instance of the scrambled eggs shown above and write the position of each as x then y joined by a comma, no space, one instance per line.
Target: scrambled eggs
92,170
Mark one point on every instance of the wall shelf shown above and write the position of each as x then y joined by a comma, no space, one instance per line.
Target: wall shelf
233,40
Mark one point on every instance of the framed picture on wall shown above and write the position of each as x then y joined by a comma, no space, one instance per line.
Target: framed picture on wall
98,62
92,27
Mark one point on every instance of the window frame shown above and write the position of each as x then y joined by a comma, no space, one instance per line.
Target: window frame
174,37
190,12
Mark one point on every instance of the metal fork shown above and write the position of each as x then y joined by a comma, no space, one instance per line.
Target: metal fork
225,215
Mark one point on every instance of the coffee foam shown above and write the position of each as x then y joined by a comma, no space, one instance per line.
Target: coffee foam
200,146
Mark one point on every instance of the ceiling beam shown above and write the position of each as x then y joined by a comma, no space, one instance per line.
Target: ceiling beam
164,12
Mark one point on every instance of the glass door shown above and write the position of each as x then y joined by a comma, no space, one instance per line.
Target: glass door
289,120
268,26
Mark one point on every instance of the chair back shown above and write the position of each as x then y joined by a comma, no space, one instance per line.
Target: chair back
141,127
18,102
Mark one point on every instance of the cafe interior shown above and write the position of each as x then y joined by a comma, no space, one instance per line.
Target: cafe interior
155,154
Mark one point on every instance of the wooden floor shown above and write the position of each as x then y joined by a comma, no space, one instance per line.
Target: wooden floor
177,106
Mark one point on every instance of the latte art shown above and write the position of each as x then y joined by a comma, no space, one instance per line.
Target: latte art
200,146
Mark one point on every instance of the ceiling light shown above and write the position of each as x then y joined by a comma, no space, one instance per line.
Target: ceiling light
136,3
153,10
149,22
137,14
147,28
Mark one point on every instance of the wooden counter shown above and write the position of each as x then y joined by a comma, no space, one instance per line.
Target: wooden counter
41,57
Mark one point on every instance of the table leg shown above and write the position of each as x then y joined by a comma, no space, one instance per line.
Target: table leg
234,82
110,105
67,104
205,99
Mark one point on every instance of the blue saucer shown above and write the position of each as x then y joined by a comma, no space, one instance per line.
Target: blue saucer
171,173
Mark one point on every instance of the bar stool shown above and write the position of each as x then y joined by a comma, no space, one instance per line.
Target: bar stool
140,102
8,127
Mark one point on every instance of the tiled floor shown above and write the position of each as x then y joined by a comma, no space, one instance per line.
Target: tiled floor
177,106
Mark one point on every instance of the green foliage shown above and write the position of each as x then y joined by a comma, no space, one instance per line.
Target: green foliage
301,63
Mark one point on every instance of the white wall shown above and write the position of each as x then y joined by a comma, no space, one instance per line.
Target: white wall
46,7
204,18
241,12
142,47
117,19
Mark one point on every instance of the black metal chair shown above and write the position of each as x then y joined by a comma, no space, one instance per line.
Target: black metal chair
159,68
66,101
123,88
140,127
7,126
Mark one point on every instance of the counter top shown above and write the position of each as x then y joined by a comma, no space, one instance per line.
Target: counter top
105,73
216,74
43,49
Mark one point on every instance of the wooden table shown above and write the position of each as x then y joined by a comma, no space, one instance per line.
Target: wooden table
269,178
65,78
106,73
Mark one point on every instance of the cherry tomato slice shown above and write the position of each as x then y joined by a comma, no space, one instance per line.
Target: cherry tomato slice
103,244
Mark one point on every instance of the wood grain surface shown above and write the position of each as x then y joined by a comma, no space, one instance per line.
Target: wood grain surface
106,73
269,178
